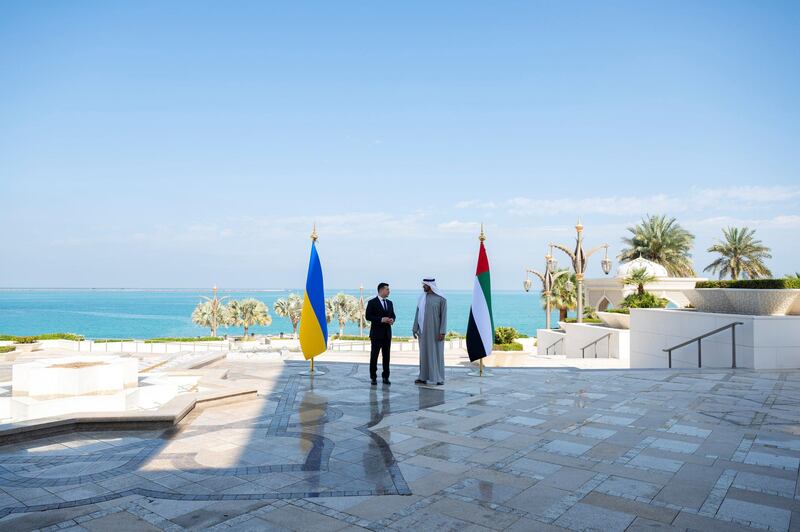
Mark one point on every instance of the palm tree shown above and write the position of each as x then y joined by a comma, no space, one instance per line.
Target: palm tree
639,277
561,298
291,308
740,254
212,314
662,240
345,308
248,312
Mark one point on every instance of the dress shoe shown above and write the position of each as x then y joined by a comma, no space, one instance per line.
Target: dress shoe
439,384
374,382
419,382
386,381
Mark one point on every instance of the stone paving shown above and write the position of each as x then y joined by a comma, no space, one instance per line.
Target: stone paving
523,449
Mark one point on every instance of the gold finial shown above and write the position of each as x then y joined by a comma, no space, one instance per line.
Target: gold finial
482,237
314,233
579,226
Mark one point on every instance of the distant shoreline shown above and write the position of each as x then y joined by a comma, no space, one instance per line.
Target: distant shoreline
220,290
95,289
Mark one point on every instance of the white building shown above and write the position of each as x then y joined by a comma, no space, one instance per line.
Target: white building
610,291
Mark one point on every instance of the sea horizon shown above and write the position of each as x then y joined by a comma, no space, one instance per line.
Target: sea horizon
141,313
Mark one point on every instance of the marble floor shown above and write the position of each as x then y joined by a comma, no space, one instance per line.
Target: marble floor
523,449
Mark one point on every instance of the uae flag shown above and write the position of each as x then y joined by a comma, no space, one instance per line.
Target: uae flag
480,330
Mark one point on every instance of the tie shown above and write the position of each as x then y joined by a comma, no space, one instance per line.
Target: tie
383,302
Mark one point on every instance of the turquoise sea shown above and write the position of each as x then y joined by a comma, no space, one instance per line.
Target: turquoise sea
149,313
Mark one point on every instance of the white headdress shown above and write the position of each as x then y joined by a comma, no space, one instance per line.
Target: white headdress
431,282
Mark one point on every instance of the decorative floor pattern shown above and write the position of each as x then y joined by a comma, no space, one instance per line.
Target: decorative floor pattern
521,450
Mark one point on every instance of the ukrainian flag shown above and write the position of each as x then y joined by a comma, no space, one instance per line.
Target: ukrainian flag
313,327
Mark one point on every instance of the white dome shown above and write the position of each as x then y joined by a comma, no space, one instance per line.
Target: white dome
653,268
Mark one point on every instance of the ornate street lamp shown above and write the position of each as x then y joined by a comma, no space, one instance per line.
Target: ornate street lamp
548,279
579,258
361,315
215,309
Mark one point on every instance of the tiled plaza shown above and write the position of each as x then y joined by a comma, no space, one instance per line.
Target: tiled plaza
523,449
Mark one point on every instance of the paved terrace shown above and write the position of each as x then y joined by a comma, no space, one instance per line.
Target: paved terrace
525,449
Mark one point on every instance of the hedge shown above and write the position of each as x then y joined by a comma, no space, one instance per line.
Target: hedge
366,337
59,336
6,348
185,339
513,346
759,284
48,336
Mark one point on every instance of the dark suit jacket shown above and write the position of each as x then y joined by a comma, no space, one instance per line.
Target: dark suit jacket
374,313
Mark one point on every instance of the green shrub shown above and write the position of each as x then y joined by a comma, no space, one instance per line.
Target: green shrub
646,300
453,335
6,348
25,339
511,346
619,310
184,339
59,336
48,336
505,335
762,284
366,337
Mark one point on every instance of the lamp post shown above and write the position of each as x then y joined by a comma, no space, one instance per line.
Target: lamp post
214,307
579,258
548,280
361,306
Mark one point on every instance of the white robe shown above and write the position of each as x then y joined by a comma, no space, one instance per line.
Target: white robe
431,350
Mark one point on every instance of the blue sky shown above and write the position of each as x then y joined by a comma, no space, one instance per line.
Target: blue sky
184,144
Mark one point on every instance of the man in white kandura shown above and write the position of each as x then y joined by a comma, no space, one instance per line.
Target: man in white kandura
430,324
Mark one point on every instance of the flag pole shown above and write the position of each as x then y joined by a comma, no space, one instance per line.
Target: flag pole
311,371
480,372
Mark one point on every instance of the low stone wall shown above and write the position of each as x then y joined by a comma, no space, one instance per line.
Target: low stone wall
550,338
577,335
616,345
762,342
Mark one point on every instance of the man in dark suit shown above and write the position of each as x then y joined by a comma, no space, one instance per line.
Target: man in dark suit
380,314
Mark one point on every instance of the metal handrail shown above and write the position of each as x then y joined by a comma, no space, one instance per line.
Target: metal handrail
698,339
547,349
583,349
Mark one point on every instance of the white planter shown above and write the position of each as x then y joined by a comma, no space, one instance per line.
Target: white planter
750,301
89,375
709,300
794,310
615,319
771,302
